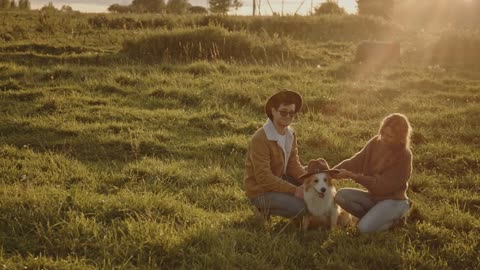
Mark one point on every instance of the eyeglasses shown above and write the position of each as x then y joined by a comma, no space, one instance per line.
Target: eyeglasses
286,113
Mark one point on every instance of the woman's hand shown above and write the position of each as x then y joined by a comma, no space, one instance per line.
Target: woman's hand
345,174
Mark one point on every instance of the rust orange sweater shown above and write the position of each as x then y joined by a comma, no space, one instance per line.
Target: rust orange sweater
383,171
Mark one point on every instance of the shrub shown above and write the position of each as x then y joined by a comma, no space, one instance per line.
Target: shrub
177,6
329,7
136,22
382,8
198,10
206,43
332,27
117,8
148,6
190,44
456,49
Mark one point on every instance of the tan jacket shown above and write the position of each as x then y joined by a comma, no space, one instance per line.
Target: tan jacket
384,172
265,163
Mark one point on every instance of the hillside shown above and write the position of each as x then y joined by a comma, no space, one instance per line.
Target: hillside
123,140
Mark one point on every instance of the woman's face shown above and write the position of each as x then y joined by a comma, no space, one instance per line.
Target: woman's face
388,136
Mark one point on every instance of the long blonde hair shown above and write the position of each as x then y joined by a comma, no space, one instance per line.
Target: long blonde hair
401,127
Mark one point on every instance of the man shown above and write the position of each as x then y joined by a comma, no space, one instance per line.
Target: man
272,166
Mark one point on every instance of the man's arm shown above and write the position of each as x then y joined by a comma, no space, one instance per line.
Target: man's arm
260,157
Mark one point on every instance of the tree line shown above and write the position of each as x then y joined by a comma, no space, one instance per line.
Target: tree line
12,4
382,8
175,7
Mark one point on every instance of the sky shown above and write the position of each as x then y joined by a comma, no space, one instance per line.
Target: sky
289,6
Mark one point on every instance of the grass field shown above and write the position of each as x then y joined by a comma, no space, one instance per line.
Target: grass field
113,161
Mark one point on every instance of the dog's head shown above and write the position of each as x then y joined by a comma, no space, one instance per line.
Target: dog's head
318,176
320,182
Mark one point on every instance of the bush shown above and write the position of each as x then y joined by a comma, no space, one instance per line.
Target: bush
137,22
198,10
456,49
382,8
329,8
313,28
332,27
117,8
206,43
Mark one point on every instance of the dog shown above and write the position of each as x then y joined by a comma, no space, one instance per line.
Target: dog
319,195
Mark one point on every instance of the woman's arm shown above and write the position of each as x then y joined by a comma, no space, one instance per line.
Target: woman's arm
355,163
389,181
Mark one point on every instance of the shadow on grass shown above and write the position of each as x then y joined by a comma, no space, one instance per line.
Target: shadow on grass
46,49
32,58
83,148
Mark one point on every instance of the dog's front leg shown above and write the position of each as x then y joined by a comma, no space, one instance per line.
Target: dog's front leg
305,222
333,217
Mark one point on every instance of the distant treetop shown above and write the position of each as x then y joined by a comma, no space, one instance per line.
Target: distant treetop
329,7
11,4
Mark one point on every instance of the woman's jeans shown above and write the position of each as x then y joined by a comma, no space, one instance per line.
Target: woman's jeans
374,216
279,203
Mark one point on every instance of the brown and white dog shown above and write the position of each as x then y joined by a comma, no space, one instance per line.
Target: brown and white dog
319,195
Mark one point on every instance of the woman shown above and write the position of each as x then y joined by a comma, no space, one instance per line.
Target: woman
383,167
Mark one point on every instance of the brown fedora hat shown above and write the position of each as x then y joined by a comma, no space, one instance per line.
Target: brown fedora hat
284,96
318,166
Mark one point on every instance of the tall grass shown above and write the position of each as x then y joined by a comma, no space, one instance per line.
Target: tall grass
207,43
19,26
315,28
119,163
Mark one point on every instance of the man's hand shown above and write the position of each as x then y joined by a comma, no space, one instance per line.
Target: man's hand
299,191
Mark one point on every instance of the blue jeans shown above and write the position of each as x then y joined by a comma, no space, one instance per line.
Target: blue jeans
374,216
279,203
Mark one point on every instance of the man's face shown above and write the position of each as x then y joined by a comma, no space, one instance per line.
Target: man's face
283,116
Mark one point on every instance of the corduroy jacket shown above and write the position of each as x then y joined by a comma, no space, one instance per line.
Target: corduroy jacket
265,163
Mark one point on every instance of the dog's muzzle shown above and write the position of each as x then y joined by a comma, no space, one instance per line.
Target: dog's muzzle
321,193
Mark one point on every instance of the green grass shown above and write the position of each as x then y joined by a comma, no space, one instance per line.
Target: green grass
108,162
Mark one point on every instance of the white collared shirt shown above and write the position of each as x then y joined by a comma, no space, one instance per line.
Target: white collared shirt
284,143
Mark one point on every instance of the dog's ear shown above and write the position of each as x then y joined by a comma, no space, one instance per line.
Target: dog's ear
309,179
